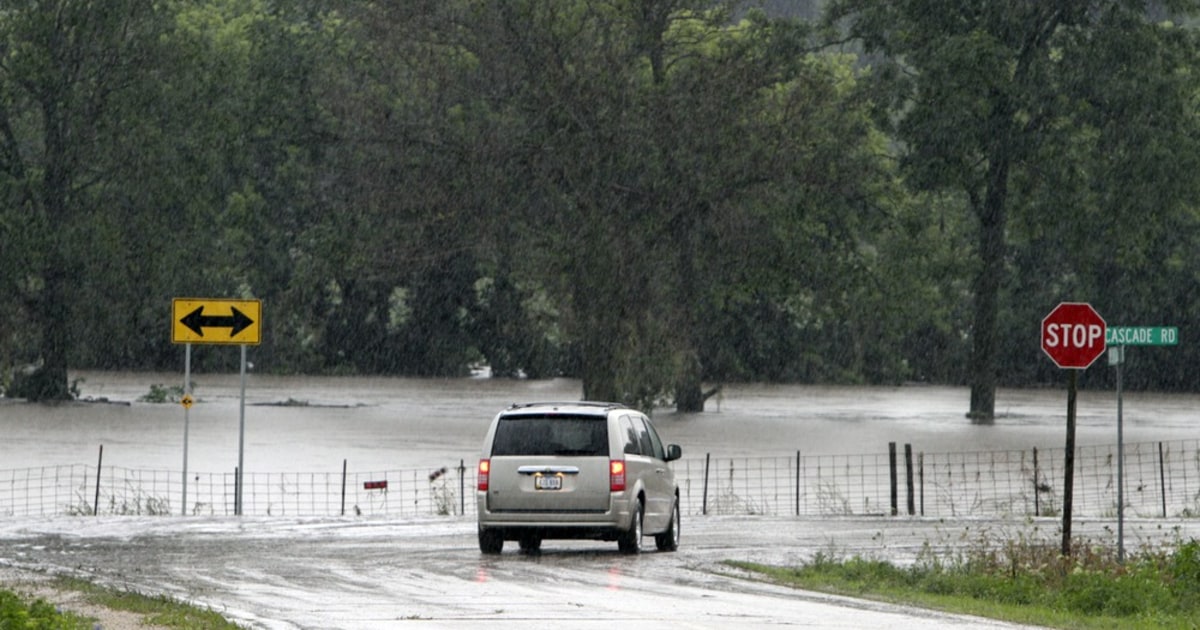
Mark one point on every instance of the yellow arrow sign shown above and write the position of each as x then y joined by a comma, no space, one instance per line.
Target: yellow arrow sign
200,320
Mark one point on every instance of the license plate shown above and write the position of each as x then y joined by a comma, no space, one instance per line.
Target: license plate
542,482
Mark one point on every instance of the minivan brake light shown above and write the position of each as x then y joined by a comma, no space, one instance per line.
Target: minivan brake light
616,475
485,467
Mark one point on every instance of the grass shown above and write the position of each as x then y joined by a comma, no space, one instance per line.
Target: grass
1023,583
19,614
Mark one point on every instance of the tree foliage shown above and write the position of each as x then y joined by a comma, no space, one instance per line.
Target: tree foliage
1001,103
652,196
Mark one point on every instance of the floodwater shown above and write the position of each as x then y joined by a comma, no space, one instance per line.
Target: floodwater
313,424
379,572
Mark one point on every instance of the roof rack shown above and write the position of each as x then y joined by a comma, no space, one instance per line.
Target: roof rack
573,403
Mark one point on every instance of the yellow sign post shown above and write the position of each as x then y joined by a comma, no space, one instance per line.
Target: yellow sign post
199,320
229,322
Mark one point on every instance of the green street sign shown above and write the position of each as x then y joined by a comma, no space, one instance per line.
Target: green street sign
1142,336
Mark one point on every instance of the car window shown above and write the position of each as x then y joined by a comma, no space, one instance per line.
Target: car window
646,445
632,444
551,435
656,446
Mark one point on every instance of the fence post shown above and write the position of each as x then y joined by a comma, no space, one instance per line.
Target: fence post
921,478
1162,480
462,487
798,470
704,503
343,487
895,482
908,468
1037,494
99,466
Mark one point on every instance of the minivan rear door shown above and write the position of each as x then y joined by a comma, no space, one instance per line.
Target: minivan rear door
549,463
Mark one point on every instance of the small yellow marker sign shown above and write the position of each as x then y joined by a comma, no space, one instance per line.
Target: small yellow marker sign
199,320
187,401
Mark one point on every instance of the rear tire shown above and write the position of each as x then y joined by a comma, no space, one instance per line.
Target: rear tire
491,542
669,540
631,541
530,544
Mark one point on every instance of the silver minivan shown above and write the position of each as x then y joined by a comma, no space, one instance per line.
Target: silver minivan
576,470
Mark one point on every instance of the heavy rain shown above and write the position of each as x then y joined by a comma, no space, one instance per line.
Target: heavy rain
783,227
373,571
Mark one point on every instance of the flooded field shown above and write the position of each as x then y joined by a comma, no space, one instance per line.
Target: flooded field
306,424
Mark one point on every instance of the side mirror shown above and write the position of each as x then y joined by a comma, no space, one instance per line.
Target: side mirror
674,452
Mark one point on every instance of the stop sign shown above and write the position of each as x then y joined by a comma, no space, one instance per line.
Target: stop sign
1073,335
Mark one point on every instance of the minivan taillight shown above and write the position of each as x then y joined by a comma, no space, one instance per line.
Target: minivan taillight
616,475
485,467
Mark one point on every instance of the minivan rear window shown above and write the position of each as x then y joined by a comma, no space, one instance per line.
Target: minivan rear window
551,434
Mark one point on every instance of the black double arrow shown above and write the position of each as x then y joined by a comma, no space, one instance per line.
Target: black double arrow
197,321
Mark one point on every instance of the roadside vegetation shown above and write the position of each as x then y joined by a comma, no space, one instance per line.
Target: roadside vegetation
1022,583
19,613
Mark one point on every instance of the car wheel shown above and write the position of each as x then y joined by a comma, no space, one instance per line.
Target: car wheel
631,541
530,544
491,541
669,540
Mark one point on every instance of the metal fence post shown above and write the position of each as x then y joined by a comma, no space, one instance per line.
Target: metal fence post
704,503
921,478
1037,493
894,481
343,487
908,476
798,474
462,487
1162,480
99,467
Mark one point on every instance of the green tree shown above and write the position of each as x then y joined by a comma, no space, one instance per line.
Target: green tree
984,96
69,71
643,134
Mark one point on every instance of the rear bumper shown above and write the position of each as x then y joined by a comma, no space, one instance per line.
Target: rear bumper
606,525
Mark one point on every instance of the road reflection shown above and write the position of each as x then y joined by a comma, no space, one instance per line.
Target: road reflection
614,578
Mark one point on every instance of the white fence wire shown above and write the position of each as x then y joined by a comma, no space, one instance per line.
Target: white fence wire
1161,479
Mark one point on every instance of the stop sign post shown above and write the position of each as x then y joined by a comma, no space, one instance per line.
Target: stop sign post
1073,336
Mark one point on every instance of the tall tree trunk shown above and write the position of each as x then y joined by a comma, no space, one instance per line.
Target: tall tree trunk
992,224
689,395
599,328
53,307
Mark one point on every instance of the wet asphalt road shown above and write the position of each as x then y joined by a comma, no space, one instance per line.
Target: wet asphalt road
353,574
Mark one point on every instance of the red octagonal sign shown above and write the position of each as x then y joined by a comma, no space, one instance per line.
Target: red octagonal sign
1073,335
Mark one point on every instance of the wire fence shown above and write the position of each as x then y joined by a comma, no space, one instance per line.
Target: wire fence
1161,479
